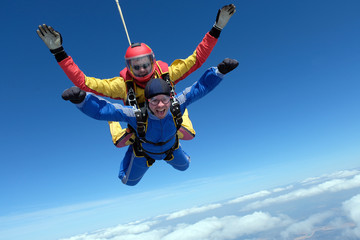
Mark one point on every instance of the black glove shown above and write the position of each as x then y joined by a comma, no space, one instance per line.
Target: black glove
74,94
227,65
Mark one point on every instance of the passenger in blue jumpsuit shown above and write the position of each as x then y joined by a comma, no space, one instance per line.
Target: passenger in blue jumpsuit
159,139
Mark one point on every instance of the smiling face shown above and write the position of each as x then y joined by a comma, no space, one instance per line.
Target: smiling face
159,105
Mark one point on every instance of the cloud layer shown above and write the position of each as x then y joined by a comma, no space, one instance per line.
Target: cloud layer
257,215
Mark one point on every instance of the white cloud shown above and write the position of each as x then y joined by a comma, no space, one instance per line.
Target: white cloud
334,185
352,210
344,174
259,194
228,227
193,210
135,230
307,226
276,190
232,227
251,196
339,174
212,228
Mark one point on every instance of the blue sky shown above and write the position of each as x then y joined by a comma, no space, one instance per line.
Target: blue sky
290,111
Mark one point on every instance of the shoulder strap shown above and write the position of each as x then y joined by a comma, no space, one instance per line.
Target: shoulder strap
176,113
175,105
141,119
130,94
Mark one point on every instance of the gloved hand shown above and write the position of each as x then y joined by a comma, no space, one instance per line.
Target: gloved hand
223,16
51,38
74,94
227,65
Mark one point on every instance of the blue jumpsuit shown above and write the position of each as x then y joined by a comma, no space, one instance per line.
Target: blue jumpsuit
133,168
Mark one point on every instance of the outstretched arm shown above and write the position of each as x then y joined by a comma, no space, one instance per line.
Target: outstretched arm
181,68
208,81
113,87
98,108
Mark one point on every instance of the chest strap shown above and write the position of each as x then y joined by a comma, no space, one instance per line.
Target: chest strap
141,152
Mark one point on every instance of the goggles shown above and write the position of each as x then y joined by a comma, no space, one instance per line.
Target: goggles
155,101
138,67
142,66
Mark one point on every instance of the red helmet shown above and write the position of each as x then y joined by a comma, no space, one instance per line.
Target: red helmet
140,61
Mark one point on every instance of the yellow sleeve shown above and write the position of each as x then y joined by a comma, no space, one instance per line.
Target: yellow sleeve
112,87
179,67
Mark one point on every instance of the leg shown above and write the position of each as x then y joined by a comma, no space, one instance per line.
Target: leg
120,137
180,161
186,132
132,168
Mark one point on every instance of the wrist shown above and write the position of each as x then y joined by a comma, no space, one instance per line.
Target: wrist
59,54
57,50
215,31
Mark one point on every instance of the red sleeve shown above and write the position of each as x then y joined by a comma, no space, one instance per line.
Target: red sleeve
202,51
74,73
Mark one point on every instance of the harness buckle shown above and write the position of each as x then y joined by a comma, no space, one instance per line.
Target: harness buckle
131,98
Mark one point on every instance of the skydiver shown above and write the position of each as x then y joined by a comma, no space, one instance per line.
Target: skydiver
155,125
141,66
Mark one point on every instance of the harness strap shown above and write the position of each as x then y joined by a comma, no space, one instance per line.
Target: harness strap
166,77
144,140
142,119
170,155
131,96
141,152
176,113
175,105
